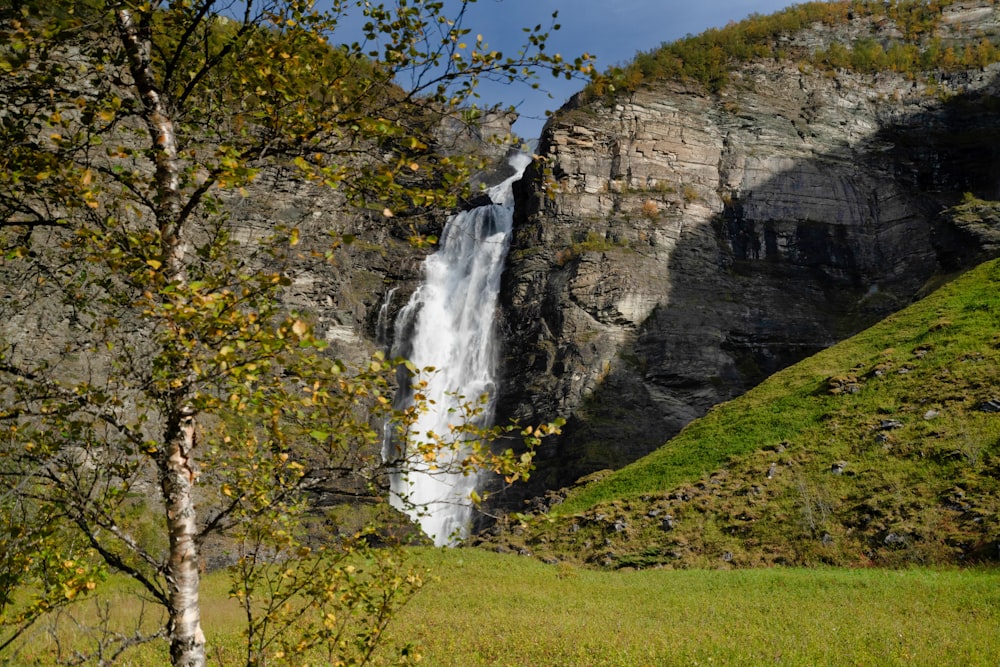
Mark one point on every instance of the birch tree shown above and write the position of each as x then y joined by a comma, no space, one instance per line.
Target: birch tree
187,404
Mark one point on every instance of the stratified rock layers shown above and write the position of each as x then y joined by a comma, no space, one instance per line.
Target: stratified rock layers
683,246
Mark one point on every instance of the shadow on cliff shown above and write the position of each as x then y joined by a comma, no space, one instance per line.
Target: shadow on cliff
763,286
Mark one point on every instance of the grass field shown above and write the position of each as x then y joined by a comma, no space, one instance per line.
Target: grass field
481,608
489,609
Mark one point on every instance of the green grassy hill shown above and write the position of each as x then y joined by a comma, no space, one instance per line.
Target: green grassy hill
884,449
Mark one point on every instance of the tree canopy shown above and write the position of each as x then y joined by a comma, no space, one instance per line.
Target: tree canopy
158,394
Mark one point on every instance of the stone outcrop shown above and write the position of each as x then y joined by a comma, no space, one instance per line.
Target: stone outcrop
679,247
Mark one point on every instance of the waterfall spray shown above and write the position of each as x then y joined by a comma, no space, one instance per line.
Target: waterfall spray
448,325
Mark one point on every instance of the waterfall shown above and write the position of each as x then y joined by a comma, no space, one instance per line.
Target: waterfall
448,325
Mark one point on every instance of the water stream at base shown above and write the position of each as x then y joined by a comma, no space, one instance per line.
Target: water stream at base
448,324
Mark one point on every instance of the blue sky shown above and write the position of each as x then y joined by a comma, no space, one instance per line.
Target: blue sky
612,30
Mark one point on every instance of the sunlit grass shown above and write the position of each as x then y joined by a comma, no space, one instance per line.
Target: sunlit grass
119,606
481,608
490,609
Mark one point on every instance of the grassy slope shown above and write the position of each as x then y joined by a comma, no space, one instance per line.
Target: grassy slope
899,408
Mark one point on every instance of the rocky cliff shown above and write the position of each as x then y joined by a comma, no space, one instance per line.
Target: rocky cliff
681,246
354,292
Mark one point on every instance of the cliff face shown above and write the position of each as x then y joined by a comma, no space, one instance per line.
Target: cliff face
353,293
684,246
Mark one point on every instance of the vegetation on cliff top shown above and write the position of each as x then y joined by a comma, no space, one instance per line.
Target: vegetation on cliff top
903,37
884,449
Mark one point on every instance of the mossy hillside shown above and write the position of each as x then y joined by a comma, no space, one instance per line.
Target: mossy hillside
883,449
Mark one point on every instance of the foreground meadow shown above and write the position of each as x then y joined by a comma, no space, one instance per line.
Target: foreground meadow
489,609
481,608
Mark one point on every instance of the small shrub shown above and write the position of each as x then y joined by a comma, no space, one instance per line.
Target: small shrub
593,242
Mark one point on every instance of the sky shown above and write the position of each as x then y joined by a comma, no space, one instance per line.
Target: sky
612,30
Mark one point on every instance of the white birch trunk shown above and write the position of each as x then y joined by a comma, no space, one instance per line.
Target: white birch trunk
187,641
175,461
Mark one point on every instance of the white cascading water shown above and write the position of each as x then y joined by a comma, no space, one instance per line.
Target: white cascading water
448,325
